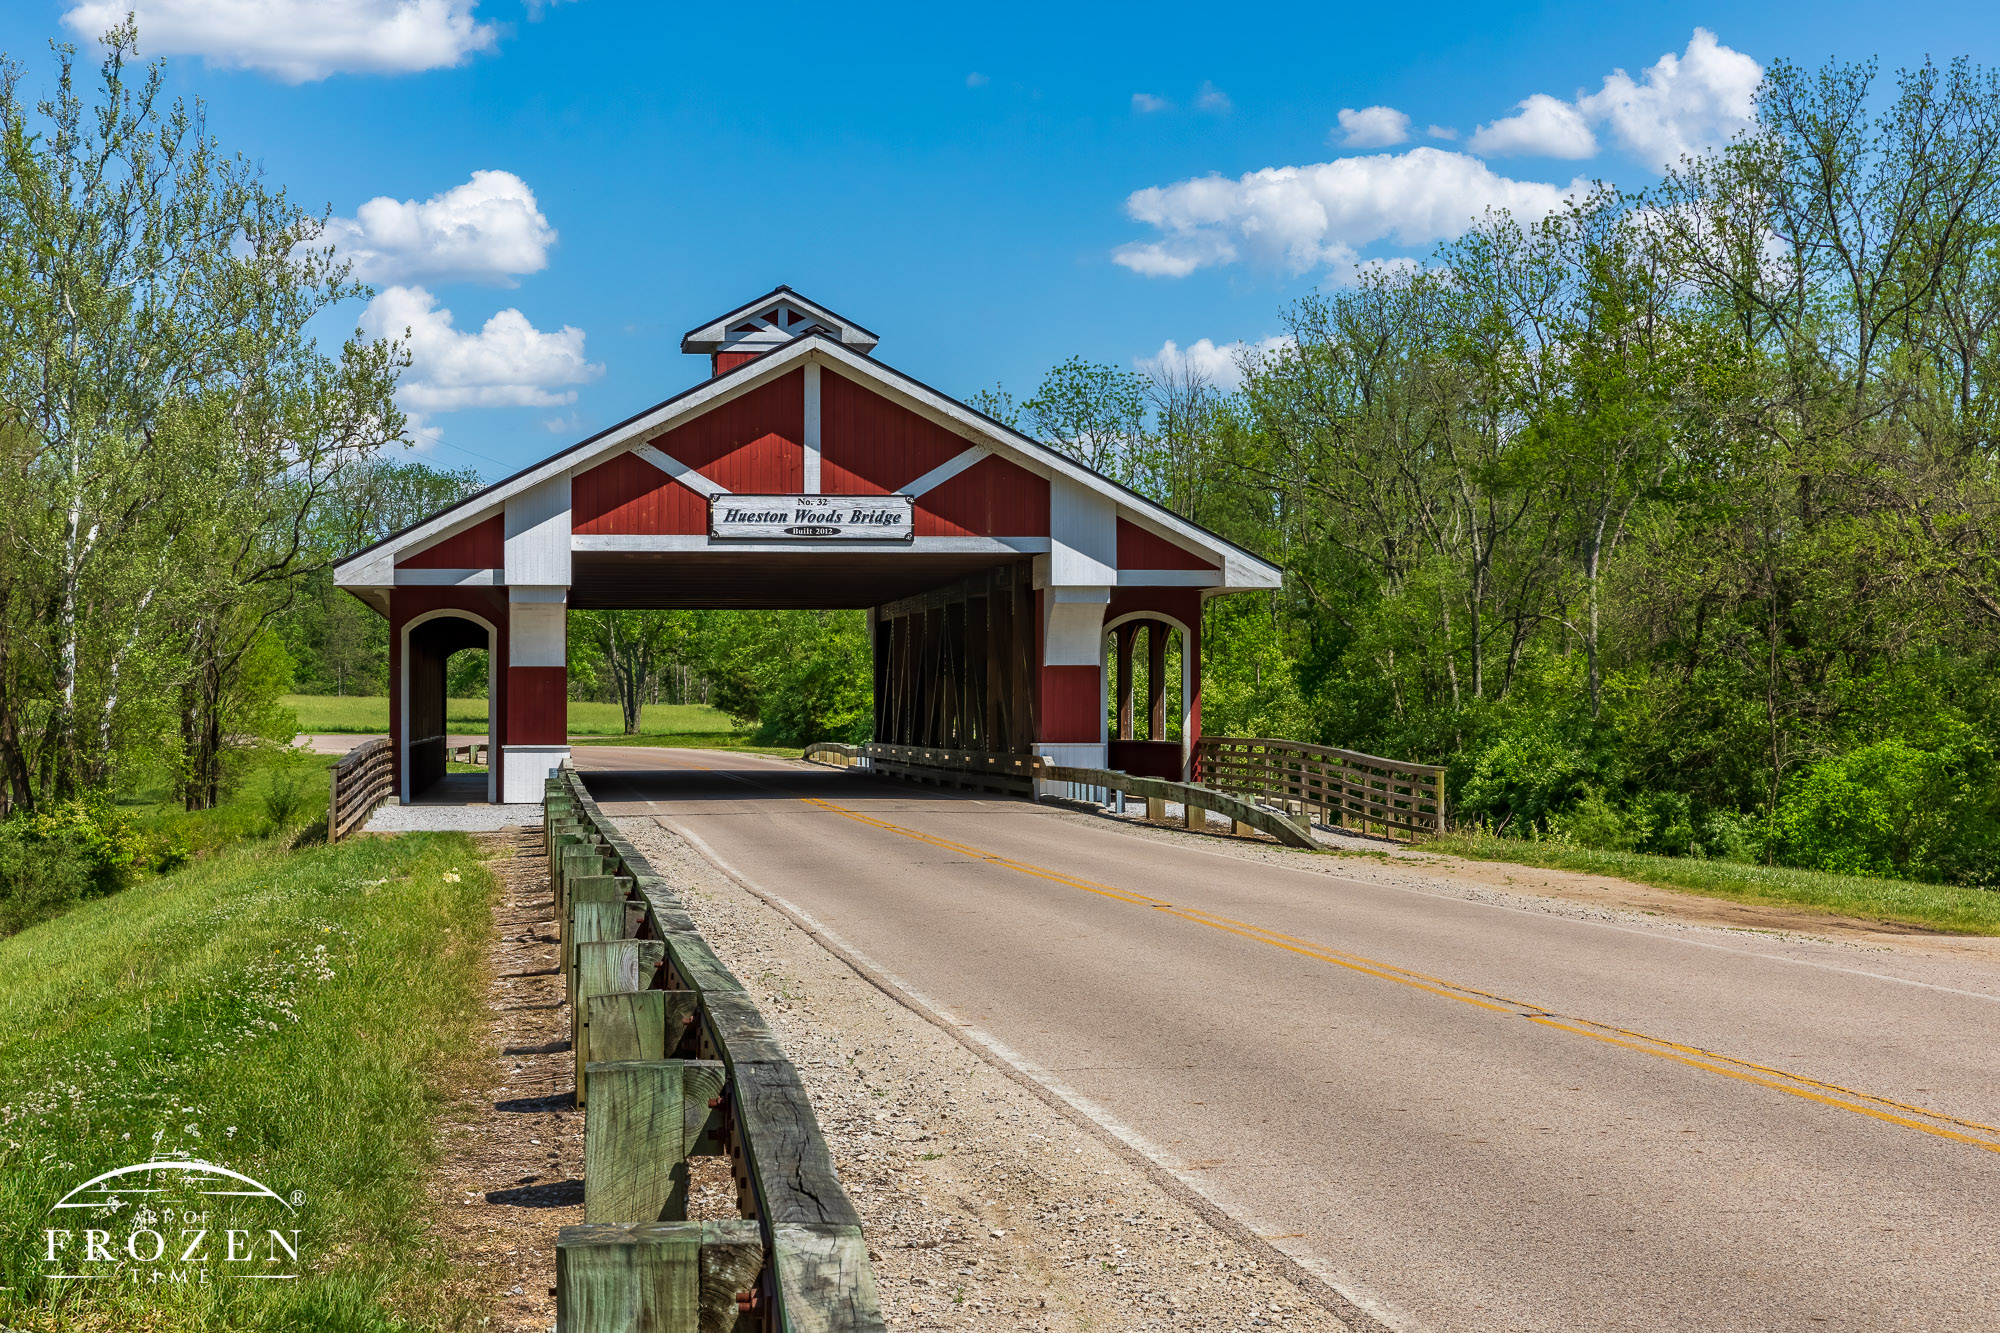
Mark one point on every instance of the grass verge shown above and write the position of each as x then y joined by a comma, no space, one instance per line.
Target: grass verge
1943,907
326,714
295,1017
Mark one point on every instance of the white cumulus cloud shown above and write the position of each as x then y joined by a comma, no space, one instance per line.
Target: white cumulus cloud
1678,105
1298,218
1144,103
1373,126
486,230
508,363
1221,366
1212,98
1681,104
1543,126
299,41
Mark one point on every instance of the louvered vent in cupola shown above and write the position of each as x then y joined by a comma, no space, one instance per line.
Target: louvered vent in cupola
771,321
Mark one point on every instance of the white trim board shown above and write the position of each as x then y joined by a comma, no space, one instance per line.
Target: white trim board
663,542
680,472
447,578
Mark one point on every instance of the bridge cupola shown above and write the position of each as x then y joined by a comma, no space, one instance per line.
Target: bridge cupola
770,321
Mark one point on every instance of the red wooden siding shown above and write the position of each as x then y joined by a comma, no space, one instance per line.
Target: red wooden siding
871,446
629,495
722,361
750,444
537,705
481,546
1140,549
1072,706
992,498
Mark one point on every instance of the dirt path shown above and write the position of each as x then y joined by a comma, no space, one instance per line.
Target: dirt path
512,1167
986,1208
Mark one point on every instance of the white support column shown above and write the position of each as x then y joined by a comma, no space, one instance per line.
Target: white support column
812,481
537,639
538,535
1076,579
537,575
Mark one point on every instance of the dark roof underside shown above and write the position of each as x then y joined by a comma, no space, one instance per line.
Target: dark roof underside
810,580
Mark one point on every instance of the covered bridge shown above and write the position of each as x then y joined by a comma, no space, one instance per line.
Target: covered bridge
1004,581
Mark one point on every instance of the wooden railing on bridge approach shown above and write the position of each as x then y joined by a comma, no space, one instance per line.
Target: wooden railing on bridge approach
1349,789
362,779
1237,777
1018,773
674,1061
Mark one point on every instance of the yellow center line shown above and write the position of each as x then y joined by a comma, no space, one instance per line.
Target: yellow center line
1936,1123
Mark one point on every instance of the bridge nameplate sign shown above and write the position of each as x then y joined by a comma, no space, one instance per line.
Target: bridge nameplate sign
813,517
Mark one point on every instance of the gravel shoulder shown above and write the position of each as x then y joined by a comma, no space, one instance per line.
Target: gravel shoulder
987,1206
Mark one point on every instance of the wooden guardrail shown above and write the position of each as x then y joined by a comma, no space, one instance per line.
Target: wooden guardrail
980,770
674,1061
362,779
473,752
1347,788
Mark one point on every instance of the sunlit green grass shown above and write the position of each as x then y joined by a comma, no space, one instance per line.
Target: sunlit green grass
297,1017
246,811
333,714
1938,906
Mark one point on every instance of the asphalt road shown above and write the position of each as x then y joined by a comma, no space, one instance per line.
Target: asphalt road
1463,1115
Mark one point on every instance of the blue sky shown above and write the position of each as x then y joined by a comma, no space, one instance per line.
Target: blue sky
562,189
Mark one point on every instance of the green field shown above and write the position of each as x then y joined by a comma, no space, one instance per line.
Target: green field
1944,907
299,1017
327,713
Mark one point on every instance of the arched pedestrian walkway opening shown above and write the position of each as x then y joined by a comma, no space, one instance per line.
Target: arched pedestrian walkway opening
428,642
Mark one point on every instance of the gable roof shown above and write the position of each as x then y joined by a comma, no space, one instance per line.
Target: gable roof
373,566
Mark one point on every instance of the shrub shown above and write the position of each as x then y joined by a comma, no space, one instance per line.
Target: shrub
110,852
1887,809
1595,823
1520,780
38,879
1724,835
286,790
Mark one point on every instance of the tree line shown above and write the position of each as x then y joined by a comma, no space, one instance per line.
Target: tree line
1667,521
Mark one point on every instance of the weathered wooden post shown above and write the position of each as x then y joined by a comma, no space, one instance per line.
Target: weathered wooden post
639,1025
603,967
595,913
647,1117
659,1277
